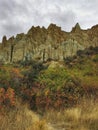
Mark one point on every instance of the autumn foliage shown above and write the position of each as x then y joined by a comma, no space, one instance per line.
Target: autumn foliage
44,87
7,97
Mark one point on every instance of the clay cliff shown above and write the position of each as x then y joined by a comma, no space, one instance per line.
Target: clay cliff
45,44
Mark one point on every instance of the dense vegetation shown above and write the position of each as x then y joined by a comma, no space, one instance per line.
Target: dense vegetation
55,85
64,94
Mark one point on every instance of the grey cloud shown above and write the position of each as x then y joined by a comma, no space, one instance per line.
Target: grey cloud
18,16
63,19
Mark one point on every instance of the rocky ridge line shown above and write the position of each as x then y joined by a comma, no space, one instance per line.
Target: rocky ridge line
47,44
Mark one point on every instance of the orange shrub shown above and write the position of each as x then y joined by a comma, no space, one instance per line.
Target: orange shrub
7,97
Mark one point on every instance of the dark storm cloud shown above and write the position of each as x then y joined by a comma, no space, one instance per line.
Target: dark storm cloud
18,16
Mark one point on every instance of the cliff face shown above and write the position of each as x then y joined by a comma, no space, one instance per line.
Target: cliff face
44,44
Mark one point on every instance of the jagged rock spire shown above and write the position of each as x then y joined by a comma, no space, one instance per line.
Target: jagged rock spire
53,27
4,41
76,28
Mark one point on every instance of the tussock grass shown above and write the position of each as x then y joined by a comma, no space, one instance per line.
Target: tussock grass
21,118
81,117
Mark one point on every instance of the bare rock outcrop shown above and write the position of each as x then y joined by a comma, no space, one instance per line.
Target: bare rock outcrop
45,44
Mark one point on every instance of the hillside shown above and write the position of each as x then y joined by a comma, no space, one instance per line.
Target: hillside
49,80
52,84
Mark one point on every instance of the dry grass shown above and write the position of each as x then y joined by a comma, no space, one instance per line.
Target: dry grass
21,118
81,117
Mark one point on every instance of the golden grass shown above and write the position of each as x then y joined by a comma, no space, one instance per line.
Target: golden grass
81,117
21,118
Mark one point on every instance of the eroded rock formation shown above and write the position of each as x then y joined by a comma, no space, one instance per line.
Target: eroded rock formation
44,44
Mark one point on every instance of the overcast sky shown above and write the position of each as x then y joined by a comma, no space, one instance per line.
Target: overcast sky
18,16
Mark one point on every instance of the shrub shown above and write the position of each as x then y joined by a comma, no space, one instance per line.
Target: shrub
7,97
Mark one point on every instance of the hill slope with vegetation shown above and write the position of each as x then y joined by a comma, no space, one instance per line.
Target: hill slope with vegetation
52,86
